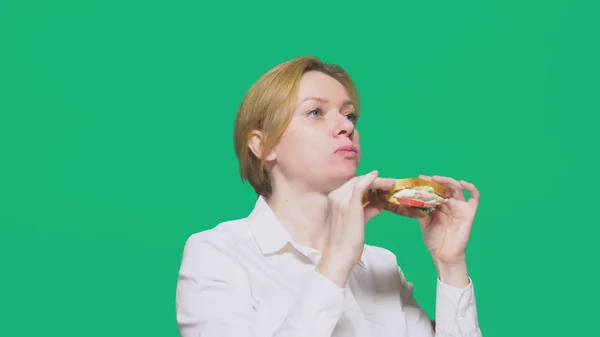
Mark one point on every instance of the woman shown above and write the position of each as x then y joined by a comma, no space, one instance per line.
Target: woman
297,265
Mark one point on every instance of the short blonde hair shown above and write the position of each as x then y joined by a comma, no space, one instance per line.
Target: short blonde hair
267,107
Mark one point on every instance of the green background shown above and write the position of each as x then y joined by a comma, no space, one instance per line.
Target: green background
116,125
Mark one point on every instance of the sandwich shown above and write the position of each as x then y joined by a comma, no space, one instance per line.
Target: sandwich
410,197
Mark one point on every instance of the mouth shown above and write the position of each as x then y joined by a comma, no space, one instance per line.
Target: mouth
347,150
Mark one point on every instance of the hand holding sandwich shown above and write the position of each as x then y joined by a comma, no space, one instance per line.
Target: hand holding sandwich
445,218
346,219
446,231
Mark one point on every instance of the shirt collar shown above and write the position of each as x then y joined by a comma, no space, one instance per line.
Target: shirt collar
271,236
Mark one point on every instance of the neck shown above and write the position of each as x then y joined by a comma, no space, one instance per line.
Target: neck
302,213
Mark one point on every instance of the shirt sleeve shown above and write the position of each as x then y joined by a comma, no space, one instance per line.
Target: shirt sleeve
213,299
456,311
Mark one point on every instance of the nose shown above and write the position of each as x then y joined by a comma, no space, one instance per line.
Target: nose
343,126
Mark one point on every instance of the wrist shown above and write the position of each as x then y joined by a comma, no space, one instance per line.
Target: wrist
454,274
334,268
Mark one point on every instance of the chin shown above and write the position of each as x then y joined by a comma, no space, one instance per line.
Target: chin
343,174
336,176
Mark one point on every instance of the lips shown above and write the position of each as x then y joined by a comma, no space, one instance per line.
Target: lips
347,149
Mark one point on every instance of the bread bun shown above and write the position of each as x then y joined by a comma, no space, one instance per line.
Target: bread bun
401,184
385,200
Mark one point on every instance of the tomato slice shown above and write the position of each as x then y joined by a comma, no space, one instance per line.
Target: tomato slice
413,202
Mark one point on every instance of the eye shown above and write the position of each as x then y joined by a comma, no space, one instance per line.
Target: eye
315,113
352,117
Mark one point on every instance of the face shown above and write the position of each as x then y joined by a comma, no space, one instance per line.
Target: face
320,148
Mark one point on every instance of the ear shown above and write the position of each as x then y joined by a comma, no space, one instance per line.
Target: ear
256,144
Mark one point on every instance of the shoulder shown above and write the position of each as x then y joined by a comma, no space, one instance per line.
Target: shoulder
375,254
382,261
223,233
214,251
383,271
222,239
379,263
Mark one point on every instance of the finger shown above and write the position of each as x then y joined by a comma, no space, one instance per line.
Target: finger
382,183
454,187
345,189
361,185
473,191
371,211
444,208
379,183
364,181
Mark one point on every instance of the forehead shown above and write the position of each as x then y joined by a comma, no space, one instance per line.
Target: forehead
317,84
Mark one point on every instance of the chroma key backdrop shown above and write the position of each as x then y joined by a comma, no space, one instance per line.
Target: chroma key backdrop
116,121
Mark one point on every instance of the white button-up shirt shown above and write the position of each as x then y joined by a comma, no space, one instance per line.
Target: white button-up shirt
248,278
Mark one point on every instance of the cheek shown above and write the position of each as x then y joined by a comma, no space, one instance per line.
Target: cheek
292,146
295,148
299,140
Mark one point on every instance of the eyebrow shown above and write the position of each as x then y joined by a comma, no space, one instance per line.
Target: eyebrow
323,100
